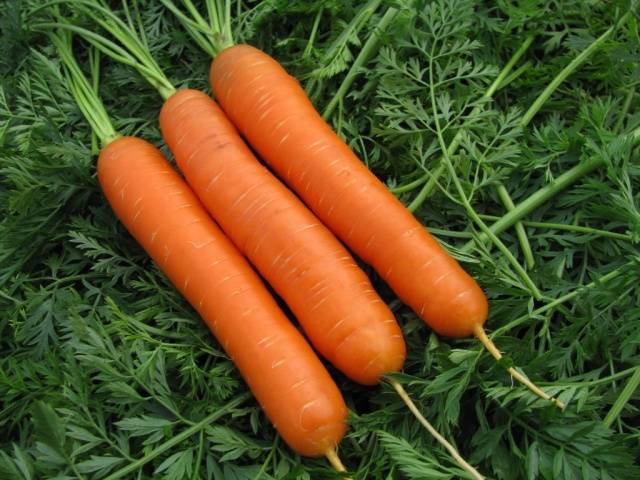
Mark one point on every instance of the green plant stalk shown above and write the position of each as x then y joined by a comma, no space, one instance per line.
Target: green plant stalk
200,33
82,91
557,226
178,439
355,25
134,43
611,378
467,205
426,191
133,51
520,231
368,50
432,178
569,69
94,61
538,198
198,462
149,70
407,187
513,215
625,108
623,398
535,107
558,301
213,36
533,289
542,195
263,468
448,233
515,74
503,194
314,32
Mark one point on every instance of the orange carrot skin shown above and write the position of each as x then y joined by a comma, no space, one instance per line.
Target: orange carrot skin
164,216
273,113
309,268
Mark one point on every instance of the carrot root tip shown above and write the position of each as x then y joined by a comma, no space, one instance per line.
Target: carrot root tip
431,429
493,350
334,460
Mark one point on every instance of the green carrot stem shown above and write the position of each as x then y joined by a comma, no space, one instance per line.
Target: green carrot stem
369,49
178,439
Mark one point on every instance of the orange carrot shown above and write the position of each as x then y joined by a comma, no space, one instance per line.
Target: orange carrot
161,212
164,216
316,276
273,113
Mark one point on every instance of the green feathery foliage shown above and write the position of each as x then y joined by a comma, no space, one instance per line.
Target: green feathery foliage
106,372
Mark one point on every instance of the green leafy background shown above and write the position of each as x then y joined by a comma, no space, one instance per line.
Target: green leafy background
105,369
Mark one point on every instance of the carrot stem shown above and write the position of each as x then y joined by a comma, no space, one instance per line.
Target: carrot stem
525,246
623,398
493,350
314,32
134,50
516,74
82,90
443,441
553,226
334,460
625,108
369,48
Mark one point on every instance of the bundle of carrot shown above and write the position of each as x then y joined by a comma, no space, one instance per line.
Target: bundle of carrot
330,296
294,249
165,217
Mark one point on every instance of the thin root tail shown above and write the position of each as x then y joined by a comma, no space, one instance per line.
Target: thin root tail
493,350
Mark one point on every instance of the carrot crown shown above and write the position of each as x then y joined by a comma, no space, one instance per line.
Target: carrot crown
212,35
82,90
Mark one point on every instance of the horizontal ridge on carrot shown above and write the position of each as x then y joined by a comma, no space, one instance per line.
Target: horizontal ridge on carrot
161,212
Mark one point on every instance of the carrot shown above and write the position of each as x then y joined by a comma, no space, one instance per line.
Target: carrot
318,279
308,267
165,217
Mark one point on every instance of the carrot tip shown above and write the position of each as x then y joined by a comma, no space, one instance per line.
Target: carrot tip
430,428
334,460
493,350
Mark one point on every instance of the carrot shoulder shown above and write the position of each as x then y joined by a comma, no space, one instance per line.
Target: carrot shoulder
166,218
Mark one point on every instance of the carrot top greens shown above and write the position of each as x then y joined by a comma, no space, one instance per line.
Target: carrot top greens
84,93
105,372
